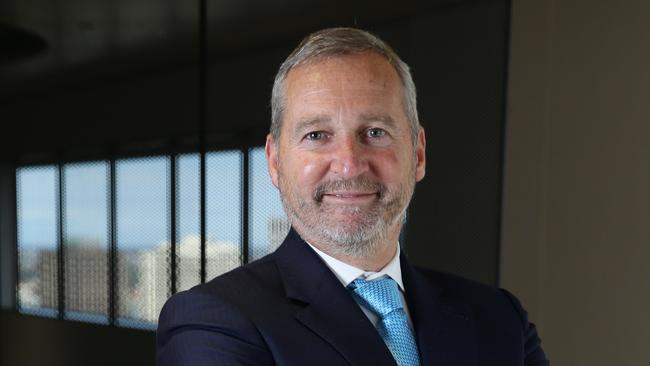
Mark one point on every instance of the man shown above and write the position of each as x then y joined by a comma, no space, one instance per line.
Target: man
345,151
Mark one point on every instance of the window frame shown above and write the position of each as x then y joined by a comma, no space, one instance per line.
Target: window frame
172,213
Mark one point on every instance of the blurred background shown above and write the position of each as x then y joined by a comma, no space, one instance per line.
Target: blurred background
131,164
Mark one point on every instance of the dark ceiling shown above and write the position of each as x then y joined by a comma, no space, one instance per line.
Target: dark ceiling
72,69
88,39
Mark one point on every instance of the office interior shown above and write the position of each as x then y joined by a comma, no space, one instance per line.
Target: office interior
537,180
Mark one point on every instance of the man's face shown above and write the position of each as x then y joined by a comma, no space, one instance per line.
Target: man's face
345,164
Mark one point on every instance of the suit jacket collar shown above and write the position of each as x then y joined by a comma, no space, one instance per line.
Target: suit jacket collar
443,325
329,309
444,328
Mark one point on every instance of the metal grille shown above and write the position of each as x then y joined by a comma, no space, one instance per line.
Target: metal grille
38,240
268,222
188,249
143,246
86,241
94,239
223,242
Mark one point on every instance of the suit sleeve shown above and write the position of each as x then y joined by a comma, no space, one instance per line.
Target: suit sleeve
198,329
533,352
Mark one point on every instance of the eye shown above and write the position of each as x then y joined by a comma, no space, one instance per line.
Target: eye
315,135
376,133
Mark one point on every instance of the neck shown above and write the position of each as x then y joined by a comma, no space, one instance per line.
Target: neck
373,263
374,259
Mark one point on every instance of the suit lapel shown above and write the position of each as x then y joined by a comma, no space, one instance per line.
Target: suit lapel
444,328
329,311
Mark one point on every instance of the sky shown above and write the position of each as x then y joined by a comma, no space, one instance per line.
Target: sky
142,201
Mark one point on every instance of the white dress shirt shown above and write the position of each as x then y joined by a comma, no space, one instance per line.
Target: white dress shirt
347,273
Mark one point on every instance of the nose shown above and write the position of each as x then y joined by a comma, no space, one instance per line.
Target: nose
349,158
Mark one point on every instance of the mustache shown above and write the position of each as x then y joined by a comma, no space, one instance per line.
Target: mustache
356,184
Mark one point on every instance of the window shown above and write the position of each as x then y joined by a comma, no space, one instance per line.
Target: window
268,223
109,241
188,266
86,241
224,211
142,239
38,240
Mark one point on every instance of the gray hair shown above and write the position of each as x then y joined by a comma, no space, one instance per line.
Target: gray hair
336,42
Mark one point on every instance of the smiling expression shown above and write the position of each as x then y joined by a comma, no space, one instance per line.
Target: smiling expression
345,162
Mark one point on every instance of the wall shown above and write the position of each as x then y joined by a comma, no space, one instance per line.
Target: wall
576,227
459,60
27,340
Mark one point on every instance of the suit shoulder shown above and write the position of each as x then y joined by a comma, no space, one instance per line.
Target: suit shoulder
452,284
207,324
474,293
243,288
195,329
258,275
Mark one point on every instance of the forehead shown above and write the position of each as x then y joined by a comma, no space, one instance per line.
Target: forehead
368,73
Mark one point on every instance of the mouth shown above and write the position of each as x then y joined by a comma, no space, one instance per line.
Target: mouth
352,191
350,197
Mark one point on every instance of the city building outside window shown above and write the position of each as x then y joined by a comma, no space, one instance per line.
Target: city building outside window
95,238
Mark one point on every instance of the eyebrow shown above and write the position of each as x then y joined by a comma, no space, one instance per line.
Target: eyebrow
309,122
383,118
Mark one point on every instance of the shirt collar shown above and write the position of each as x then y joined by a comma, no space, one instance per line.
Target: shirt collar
347,273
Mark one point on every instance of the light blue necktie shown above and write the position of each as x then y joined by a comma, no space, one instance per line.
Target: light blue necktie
382,297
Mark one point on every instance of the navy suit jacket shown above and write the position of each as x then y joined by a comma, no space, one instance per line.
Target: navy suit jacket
288,308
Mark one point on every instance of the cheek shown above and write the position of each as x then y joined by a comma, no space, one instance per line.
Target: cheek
387,165
307,172
312,171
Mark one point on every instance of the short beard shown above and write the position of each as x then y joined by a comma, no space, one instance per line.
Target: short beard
361,239
363,243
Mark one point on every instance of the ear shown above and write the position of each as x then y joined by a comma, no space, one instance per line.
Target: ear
420,156
270,150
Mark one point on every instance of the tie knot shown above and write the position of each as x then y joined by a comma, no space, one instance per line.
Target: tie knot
381,296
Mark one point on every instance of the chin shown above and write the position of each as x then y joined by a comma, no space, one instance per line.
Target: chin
357,244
